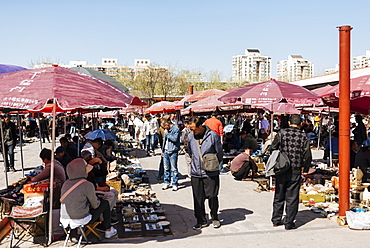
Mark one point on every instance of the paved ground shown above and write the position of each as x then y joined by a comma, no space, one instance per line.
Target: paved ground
245,216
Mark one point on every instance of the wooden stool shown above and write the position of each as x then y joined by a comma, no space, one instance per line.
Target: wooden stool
263,184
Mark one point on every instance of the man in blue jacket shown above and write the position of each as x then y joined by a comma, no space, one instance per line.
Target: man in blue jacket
171,147
205,184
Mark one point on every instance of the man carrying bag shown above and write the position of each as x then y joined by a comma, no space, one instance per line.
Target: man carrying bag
205,150
294,143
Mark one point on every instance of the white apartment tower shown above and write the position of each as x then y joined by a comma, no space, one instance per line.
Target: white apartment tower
251,67
362,61
293,69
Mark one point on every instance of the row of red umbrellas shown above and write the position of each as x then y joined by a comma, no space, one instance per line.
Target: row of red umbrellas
260,95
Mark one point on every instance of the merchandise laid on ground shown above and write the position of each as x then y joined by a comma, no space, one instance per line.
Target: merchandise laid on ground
24,207
139,212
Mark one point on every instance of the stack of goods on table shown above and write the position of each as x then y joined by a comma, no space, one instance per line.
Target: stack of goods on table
138,210
12,196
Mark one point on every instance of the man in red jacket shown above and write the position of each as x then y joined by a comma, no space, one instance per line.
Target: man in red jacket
215,125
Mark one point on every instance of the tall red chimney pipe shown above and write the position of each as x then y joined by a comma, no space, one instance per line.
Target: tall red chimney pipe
191,89
344,118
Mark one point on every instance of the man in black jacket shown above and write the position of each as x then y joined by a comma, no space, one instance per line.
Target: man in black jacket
294,143
10,140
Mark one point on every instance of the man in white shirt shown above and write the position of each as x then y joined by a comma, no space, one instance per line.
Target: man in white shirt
151,127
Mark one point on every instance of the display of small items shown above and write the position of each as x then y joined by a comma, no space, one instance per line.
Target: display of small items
141,219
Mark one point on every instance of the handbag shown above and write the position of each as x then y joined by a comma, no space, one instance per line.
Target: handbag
209,160
283,162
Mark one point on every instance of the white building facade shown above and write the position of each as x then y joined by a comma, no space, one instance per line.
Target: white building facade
251,67
362,61
293,69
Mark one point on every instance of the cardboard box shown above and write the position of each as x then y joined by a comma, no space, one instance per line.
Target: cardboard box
116,185
317,198
35,188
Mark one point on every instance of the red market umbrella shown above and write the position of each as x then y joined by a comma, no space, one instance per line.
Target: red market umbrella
161,107
205,93
211,104
324,90
280,108
360,95
32,89
180,104
271,91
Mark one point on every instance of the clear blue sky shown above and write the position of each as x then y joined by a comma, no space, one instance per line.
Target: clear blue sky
192,34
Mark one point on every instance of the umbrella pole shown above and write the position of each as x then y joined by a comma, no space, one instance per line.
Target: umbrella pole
3,150
20,141
38,123
78,134
319,135
331,150
51,190
65,125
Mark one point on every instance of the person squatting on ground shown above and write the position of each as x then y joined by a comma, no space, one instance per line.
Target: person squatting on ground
295,144
205,185
242,164
170,153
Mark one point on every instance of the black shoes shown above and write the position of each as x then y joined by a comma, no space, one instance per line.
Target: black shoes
199,226
276,224
290,227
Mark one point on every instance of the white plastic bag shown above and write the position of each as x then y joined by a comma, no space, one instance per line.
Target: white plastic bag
359,220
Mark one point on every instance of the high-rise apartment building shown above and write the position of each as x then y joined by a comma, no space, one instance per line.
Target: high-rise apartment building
251,67
362,61
295,68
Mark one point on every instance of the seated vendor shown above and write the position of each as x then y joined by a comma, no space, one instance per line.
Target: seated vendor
231,141
62,156
81,206
71,149
242,164
59,172
109,194
248,141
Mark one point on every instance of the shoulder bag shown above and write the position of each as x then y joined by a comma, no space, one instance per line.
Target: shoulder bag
283,161
71,189
209,160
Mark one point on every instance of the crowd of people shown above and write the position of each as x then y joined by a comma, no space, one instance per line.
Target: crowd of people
86,161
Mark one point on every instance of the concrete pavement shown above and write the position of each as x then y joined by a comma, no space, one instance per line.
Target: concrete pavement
244,214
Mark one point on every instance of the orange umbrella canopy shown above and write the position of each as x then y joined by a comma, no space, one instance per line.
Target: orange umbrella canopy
206,93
